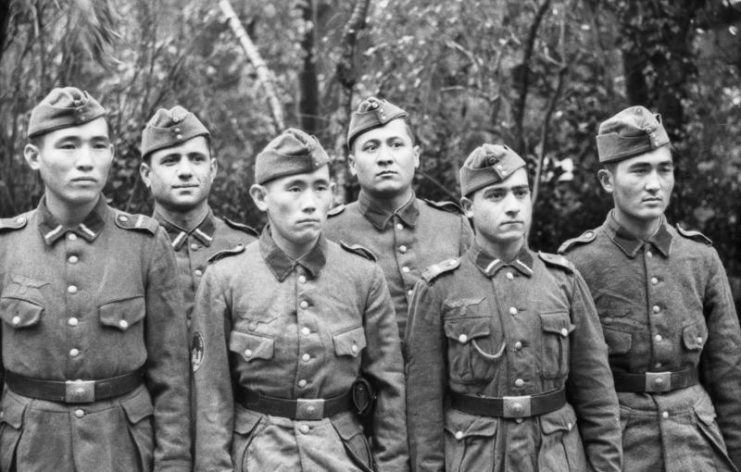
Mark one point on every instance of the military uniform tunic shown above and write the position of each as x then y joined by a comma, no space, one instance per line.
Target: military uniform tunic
193,249
665,305
418,235
479,326
91,302
295,330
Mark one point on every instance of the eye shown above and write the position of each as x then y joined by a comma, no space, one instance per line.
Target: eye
369,147
67,146
522,193
397,144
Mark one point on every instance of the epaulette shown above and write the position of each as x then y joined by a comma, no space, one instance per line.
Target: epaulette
241,227
239,248
585,238
359,250
433,271
694,235
12,224
450,207
136,222
336,210
557,261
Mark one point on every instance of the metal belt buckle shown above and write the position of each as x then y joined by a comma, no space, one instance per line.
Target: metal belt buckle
309,409
79,391
658,382
516,407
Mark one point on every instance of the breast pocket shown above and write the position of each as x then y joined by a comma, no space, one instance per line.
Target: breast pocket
556,327
122,314
350,342
251,347
20,314
473,357
694,336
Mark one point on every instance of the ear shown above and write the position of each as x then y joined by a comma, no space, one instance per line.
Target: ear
214,167
259,194
416,150
32,155
606,179
351,164
144,171
467,206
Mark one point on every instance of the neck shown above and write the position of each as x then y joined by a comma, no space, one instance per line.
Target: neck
641,229
503,250
188,219
66,214
293,249
390,203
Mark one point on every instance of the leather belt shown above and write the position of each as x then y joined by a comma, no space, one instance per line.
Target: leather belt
73,391
299,409
509,407
655,382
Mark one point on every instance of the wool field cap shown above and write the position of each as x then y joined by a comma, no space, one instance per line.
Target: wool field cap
486,165
633,131
290,153
64,107
372,113
169,128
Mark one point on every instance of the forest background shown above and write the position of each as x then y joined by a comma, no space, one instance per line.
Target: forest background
537,75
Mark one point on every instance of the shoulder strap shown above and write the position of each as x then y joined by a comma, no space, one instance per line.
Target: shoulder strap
435,270
450,207
359,250
140,223
241,227
239,248
585,238
12,224
336,210
554,260
694,235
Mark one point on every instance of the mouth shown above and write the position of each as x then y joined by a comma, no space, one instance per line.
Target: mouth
84,180
184,187
386,173
652,200
308,221
512,223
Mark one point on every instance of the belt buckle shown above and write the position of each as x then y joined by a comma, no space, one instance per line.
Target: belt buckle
658,382
79,391
309,408
516,407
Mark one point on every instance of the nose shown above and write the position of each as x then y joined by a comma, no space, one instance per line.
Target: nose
309,202
184,171
384,155
653,183
84,160
511,205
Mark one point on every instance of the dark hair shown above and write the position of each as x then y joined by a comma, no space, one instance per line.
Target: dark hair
407,126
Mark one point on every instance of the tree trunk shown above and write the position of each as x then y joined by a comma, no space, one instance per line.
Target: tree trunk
308,82
4,21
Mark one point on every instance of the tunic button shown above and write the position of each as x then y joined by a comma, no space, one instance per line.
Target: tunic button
569,426
73,259
658,338
74,352
194,246
301,279
649,254
402,249
79,413
123,218
699,339
72,321
302,383
459,435
518,346
304,304
656,308
248,353
519,383
462,338
399,226
198,272
20,220
405,269
512,310
178,136
304,428
654,280
410,292
123,324
510,275
665,414
658,365
71,236
305,331
16,319
72,289
354,348
306,358
564,332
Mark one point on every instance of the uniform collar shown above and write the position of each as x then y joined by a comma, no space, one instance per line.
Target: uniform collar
52,230
204,232
489,265
380,218
281,265
630,245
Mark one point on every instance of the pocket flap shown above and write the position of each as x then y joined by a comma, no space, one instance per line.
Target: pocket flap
122,314
463,330
559,420
618,342
20,313
347,427
245,420
251,346
138,407
694,336
350,343
557,323
705,411
12,412
462,425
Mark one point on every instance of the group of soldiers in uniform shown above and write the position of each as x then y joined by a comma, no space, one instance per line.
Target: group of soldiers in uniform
390,334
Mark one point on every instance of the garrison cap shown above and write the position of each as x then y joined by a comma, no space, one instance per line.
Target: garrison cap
169,128
372,113
486,165
292,152
64,107
629,133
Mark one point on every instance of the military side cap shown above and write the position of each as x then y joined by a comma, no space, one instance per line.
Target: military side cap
486,165
62,108
169,128
292,152
629,133
372,113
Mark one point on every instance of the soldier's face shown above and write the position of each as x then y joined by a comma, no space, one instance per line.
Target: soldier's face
73,162
641,186
502,212
180,177
297,207
384,159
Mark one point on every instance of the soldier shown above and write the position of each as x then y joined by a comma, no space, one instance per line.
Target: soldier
178,167
284,327
404,233
94,355
506,364
666,310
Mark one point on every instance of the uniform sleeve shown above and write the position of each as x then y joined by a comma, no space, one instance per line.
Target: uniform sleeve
466,235
426,380
590,387
212,382
166,369
384,367
720,364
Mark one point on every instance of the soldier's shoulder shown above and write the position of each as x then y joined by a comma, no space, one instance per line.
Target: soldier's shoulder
15,223
694,235
240,227
446,206
436,270
557,261
586,237
136,222
226,253
359,250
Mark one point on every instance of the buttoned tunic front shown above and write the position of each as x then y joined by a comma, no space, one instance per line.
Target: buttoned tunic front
665,305
527,327
404,243
295,330
91,302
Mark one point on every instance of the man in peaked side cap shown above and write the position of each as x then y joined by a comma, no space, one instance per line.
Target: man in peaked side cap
292,329
404,233
666,310
179,168
94,356
506,364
